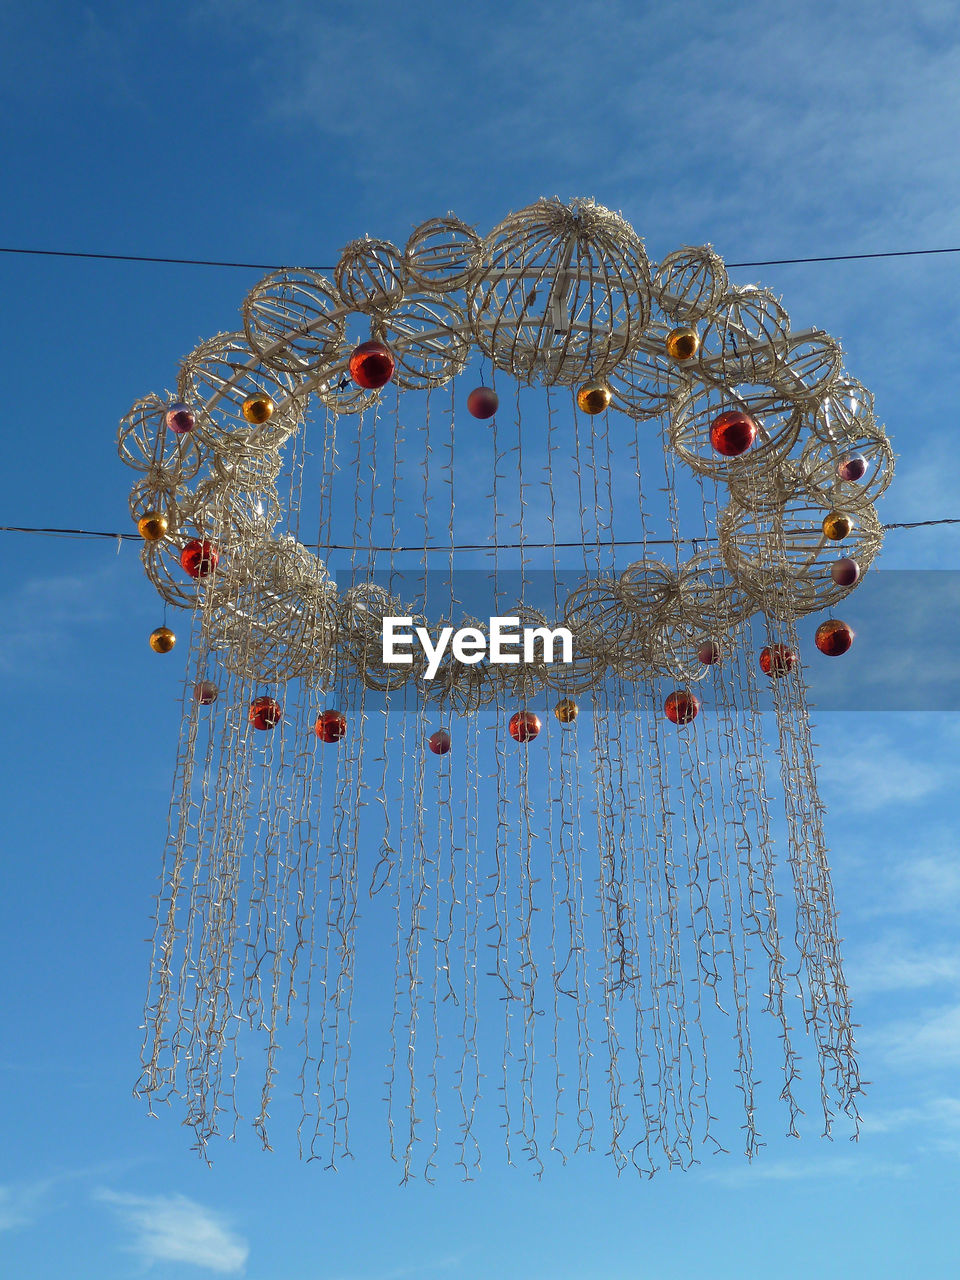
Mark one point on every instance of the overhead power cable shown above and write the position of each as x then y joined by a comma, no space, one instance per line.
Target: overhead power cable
458,546
274,266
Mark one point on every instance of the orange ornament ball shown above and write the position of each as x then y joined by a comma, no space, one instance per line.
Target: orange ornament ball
265,713
258,408
162,640
681,707
594,398
836,526
566,711
833,637
372,365
682,344
524,726
152,526
777,660
331,726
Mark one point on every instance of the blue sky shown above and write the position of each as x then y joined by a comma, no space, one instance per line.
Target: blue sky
277,133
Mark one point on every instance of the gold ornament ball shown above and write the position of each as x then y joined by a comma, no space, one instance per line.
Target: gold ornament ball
682,344
258,408
836,526
153,526
162,640
593,397
566,711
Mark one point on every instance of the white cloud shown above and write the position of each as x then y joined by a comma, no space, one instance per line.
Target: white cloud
942,1113
918,873
872,772
44,613
20,1203
412,1269
847,1167
894,964
175,1229
929,1041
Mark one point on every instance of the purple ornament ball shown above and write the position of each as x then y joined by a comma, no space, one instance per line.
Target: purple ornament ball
709,652
852,467
179,419
845,572
483,402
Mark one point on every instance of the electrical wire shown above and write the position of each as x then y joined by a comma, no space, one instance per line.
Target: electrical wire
273,266
460,546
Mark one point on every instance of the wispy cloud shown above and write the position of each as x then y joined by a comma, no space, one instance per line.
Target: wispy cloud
874,772
853,1167
896,964
412,1269
175,1229
943,1113
22,1202
44,613
928,1041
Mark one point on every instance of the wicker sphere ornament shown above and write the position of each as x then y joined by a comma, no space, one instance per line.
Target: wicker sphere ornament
258,408
566,711
777,660
833,637
199,558
162,640
845,572
331,726
732,433
483,402
265,713
709,652
152,526
836,526
593,398
440,742
682,344
681,707
372,365
179,419
524,726
852,467
205,692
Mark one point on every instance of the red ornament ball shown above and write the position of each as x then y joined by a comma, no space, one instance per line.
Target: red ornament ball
372,365
199,558
681,707
833,637
331,726
179,419
524,726
709,652
852,467
777,660
205,692
439,742
733,433
845,572
483,402
265,713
